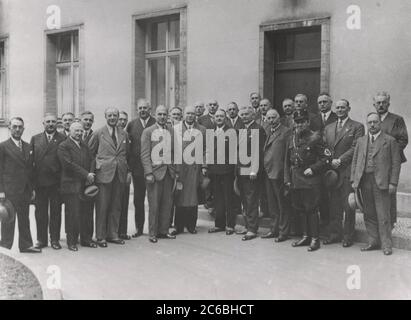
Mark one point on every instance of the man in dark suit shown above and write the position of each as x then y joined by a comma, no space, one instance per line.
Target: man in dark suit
255,99
301,103
87,216
135,129
393,125
273,158
288,110
265,105
67,119
47,172
222,173
375,171
248,173
110,146
77,172
207,120
16,186
340,138
159,173
123,224
199,109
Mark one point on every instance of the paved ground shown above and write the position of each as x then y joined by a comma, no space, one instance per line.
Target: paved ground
216,266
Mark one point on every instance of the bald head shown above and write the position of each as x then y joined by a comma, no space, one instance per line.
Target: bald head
190,114
76,130
273,117
161,115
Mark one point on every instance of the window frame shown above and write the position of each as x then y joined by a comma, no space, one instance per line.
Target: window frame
4,104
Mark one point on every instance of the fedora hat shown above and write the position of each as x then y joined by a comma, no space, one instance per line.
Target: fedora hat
331,178
7,211
91,191
355,200
359,200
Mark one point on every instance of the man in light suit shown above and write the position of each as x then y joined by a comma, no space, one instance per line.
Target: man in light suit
274,153
135,129
393,125
159,173
16,170
375,171
47,170
77,172
340,138
110,147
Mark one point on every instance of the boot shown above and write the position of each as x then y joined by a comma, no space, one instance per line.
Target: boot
304,241
315,244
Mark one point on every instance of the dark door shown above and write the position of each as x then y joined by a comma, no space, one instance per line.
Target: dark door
297,65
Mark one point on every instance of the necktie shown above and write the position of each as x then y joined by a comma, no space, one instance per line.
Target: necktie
113,136
339,126
324,119
372,139
144,123
20,146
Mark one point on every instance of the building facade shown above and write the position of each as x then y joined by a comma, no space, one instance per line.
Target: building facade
75,55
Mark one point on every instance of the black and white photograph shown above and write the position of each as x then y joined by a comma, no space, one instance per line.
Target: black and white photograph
215,152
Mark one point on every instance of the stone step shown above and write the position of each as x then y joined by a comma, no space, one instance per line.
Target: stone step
401,234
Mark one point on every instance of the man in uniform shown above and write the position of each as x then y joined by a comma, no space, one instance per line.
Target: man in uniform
393,125
305,159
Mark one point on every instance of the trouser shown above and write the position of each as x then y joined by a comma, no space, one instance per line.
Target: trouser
160,201
123,225
306,202
139,186
185,217
393,209
21,204
376,212
324,205
249,194
262,193
75,208
222,190
48,197
108,209
342,217
87,221
278,207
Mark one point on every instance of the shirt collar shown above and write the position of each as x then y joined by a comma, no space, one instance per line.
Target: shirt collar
384,116
249,124
189,126
234,120
17,142
343,122
327,114
76,142
375,135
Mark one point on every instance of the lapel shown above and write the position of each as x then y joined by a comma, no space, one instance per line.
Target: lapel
378,144
272,136
106,135
343,131
389,121
16,153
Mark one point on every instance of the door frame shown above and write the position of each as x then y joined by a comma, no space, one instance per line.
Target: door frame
266,57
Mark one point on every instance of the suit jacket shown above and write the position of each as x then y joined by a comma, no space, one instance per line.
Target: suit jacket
342,145
135,130
47,168
109,158
76,164
331,118
159,170
386,158
287,121
316,122
239,124
226,167
395,126
88,138
248,144
16,168
264,124
206,121
274,151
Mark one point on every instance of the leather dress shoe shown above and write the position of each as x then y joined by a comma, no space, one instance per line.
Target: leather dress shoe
269,235
241,232
166,236
370,247
281,238
229,232
175,232
249,237
137,234
40,245
124,237
193,231
346,243
101,243
89,244
116,241
304,241
214,230
73,248
153,240
31,250
387,251
330,241
314,245
55,245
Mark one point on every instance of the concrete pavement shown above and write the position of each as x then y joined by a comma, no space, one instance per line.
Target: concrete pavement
216,266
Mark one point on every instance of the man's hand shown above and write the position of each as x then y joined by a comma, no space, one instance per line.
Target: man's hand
179,186
2,196
392,189
253,176
308,172
90,178
336,163
129,178
204,171
150,178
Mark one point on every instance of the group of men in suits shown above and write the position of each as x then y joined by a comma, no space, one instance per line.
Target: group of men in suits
297,154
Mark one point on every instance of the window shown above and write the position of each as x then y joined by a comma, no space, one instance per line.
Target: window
160,50
163,61
63,73
3,82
